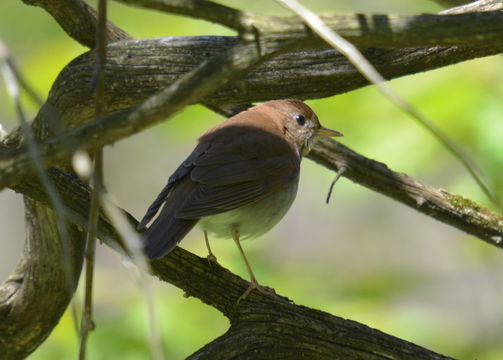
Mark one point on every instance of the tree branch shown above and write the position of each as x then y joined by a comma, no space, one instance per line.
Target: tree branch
190,88
117,126
448,3
239,20
386,30
158,63
36,294
271,326
267,322
461,213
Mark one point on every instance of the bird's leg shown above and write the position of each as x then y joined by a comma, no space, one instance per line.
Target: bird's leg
253,281
211,257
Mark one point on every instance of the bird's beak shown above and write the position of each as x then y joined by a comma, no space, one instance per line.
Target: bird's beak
328,132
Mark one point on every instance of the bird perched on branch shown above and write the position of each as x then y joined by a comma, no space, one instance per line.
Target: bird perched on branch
239,181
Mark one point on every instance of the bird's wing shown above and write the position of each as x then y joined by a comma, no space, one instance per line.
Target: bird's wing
213,180
233,180
166,230
181,172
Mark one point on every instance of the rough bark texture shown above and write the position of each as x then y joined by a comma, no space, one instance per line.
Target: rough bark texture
263,326
36,294
139,69
440,204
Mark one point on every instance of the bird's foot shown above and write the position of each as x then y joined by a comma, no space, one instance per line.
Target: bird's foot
254,285
212,259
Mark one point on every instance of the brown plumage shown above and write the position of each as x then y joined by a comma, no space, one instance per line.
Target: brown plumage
240,179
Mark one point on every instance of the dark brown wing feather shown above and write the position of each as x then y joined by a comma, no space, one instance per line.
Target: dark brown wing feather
213,180
180,173
226,187
167,230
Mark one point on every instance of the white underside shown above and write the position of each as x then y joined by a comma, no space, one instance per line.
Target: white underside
254,219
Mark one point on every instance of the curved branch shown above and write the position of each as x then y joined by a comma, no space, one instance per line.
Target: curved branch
239,20
267,321
273,327
16,167
463,214
386,30
37,293
139,68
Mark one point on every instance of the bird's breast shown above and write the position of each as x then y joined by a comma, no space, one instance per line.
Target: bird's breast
256,218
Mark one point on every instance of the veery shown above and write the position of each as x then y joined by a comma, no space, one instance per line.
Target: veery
239,181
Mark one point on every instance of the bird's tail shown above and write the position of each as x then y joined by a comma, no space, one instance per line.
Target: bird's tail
167,230
165,233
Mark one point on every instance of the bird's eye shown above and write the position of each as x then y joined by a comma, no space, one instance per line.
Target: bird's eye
301,120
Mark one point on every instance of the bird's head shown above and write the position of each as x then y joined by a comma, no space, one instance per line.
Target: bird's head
299,123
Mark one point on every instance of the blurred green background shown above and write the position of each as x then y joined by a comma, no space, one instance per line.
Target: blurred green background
363,257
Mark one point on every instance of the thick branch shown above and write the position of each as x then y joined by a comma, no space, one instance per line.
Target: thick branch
137,69
267,322
439,204
239,20
37,293
382,30
115,127
271,326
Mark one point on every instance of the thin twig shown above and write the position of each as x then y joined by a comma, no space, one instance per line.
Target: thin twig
383,30
371,74
97,178
135,250
340,171
20,79
202,9
87,323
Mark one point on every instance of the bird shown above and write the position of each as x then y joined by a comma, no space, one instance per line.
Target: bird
239,181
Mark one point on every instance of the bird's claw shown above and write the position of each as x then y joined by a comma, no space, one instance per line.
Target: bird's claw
254,285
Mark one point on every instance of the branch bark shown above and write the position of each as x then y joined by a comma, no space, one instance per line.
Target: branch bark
386,30
263,326
455,210
36,294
